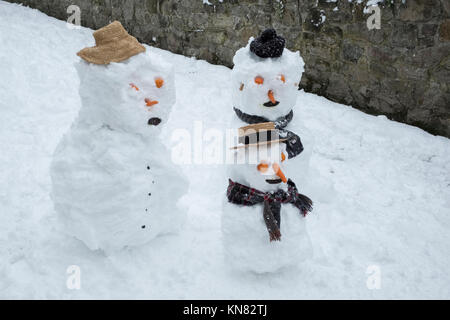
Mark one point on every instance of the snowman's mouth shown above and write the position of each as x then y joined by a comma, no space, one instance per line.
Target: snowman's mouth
154,121
271,104
274,181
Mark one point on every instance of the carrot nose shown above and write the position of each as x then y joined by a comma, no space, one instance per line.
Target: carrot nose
278,172
271,97
149,102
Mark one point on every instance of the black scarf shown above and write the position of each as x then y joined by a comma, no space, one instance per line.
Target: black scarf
280,123
293,142
244,195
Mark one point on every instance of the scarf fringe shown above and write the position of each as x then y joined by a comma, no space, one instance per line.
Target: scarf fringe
275,235
306,204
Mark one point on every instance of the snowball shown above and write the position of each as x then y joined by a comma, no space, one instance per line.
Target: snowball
281,76
114,184
244,168
108,97
246,241
297,168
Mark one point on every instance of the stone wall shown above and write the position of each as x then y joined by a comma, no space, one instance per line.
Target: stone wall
401,70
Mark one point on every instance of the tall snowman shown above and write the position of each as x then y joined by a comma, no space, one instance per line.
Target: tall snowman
268,162
265,81
114,184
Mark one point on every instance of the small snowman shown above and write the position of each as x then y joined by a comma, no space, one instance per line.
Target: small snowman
114,184
263,221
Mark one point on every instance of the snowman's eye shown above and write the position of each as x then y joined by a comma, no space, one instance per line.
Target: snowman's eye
282,78
259,80
159,82
263,167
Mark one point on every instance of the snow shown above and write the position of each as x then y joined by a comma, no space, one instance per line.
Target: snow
371,3
323,18
209,3
390,210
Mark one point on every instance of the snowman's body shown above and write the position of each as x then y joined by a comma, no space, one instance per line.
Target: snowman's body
247,246
113,182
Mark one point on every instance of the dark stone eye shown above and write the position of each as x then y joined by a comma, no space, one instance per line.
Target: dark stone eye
154,121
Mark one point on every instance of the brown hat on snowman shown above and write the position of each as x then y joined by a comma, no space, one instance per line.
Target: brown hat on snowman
112,44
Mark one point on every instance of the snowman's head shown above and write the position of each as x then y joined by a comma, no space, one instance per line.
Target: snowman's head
134,96
152,85
261,166
266,86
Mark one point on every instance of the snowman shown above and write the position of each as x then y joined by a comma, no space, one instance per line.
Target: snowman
263,222
114,185
265,81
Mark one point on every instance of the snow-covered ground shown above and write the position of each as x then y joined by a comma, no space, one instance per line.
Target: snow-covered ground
391,211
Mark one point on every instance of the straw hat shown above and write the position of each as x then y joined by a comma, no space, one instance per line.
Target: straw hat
113,44
260,134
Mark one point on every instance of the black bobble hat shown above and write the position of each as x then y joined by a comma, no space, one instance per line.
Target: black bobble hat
268,44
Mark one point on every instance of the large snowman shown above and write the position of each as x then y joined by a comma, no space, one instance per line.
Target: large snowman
265,81
114,184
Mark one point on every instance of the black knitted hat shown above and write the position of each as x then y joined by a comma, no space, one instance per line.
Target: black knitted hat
268,44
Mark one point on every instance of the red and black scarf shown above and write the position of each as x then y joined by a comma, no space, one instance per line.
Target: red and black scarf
246,196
